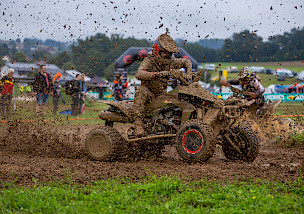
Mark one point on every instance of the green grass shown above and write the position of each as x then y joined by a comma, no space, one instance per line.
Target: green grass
155,195
91,111
290,108
26,111
267,79
297,139
249,64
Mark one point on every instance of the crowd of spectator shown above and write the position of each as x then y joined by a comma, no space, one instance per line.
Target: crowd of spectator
43,87
119,88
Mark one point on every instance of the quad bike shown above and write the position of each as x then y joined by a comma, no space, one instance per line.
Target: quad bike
189,116
266,111
263,116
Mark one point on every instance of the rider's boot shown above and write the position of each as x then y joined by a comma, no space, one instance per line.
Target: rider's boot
139,130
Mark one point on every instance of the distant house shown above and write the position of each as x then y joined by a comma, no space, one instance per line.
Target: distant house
22,70
28,70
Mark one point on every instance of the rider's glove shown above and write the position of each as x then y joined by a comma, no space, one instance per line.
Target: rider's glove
162,74
176,73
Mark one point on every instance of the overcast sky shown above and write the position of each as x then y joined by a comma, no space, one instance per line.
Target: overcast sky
192,20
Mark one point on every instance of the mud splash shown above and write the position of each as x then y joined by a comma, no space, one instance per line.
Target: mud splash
37,139
54,153
277,129
271,129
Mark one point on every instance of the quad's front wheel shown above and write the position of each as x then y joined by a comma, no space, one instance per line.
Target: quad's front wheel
102,143
245,139
195,141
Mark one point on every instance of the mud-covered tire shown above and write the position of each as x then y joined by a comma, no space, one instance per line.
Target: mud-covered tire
104,143
195,141
249,151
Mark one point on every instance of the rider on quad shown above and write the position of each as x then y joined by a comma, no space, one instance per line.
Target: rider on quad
252,87
154,73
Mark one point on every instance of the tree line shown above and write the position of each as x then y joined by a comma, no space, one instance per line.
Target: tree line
247,46
97,54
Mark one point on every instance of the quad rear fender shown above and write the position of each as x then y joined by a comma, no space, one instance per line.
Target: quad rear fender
269,107
118,112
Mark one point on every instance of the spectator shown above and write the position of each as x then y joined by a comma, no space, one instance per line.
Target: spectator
6,93
42,86
56,95
21,89
83,91
75,94
28,89
119,88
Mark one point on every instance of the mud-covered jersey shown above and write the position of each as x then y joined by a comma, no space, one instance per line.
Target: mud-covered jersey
253,85
150,65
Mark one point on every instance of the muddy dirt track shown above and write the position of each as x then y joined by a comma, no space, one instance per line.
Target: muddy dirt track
50,153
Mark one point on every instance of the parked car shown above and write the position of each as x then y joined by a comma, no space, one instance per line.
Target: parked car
300,76
283,72
232,69
281,76
210,67
269,71
257,69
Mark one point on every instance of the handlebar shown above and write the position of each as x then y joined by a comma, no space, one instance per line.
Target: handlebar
236,92
187,79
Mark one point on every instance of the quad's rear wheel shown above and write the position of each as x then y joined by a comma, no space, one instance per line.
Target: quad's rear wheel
103,143
195,141
245,139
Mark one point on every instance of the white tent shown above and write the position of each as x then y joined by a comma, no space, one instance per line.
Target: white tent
73,74
270,89
135,82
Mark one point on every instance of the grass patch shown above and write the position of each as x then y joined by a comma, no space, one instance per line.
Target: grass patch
155,195
239,65
297,139
25,110
290,108
267,79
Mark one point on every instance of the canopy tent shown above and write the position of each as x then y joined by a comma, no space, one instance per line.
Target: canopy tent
96,80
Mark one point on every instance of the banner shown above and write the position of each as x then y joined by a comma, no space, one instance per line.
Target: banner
283,96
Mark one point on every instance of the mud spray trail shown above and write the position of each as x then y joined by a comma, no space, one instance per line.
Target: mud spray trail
35,151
